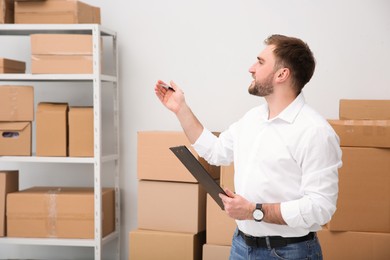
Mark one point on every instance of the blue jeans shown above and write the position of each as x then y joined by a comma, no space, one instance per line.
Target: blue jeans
309,249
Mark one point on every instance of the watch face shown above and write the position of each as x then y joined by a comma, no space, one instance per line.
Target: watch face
258,214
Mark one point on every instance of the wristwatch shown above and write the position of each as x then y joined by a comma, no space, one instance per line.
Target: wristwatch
258,213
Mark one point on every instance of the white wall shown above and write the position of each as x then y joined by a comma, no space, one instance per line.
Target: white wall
207,47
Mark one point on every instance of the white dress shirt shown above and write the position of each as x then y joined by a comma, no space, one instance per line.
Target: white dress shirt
292,159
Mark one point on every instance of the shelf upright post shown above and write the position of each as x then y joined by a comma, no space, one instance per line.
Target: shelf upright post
117,148
97,111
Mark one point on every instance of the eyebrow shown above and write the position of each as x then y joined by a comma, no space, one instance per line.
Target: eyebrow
260,59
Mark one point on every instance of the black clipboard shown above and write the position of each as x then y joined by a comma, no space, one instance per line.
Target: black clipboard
199,172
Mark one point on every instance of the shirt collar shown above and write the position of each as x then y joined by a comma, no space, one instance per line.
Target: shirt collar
291,111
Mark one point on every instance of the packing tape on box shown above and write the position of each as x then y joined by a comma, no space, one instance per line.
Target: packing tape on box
14,102
51,222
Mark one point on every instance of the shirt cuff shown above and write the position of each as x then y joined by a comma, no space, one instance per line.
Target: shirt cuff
291,213
202,144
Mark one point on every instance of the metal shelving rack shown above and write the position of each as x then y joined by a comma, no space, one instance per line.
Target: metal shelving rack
97,78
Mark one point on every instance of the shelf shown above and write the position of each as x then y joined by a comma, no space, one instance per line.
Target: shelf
27,29
96,79
39,159
56,241
55,77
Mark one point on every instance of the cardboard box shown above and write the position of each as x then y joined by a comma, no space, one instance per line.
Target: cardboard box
157,162
12,66
16,103
354,245
6,11
15,138
364,188
149,244
227,177
81,132
171,206
58,212
56,12
215,252
220,227
363,133
9,182
51,129
61,53
364,109
46,64
61,44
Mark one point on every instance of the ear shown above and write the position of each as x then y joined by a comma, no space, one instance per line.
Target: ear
282,75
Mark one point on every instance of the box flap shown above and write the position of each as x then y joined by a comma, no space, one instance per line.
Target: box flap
80,110
13,126
369,123
45,6
52,107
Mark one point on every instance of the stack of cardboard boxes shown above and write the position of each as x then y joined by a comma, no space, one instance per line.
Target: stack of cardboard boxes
360,228
16,116
171,203
16,112
219,226
59,131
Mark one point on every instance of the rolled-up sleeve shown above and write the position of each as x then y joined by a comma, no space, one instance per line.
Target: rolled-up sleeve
319,159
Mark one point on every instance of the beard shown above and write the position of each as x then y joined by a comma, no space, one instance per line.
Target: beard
262,89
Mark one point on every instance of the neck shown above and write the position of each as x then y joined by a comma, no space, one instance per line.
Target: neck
278,102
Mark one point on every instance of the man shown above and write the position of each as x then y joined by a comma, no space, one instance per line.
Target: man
286,157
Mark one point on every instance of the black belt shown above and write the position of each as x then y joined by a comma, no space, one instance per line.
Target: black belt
274,241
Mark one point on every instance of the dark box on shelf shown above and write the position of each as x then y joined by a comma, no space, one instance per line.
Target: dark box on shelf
58,212
12,66
9,182
6,11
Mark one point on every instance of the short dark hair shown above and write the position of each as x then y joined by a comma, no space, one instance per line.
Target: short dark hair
294,54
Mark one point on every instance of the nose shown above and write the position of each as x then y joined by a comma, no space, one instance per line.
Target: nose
252,68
